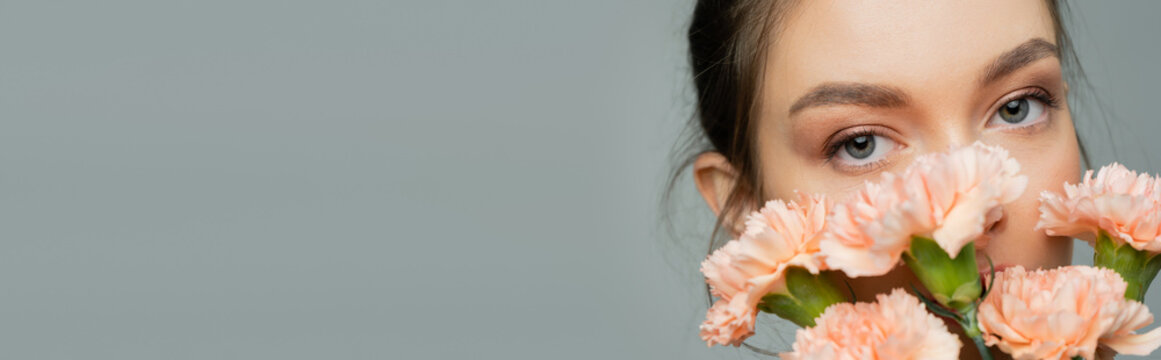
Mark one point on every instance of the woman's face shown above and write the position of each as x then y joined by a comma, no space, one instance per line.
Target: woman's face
855,88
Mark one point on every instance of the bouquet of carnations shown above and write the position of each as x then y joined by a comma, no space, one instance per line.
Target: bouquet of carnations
930,218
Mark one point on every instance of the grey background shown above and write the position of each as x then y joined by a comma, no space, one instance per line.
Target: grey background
257,179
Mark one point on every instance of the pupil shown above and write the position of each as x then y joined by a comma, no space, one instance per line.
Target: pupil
861,147
1015,111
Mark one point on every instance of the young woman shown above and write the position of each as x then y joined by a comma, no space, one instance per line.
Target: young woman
818,96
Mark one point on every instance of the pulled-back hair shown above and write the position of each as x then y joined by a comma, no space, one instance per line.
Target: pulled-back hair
728,40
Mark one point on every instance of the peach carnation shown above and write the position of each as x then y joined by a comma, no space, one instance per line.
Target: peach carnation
780,235
948,197
1063,313
897,326
1120,201
864,235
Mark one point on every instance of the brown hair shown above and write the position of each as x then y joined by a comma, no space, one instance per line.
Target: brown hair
727,43
727,40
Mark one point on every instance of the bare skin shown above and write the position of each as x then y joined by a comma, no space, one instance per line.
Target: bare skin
855,88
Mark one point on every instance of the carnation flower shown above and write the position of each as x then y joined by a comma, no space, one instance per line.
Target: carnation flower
864,235
896,327
785,234
741,273
1064,313
729,322
948,197
952,196
1118,200
1119,213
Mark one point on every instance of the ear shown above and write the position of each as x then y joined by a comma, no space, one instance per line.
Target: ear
715,179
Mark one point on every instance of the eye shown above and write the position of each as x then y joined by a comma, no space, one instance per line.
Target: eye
1019,110
860,147
861,150
1029,109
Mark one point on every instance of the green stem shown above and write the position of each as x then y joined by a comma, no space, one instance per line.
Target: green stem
1138,268
982,347
970,324
967,320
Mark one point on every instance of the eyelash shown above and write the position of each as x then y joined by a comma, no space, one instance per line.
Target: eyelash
839,141
833,147
1039,94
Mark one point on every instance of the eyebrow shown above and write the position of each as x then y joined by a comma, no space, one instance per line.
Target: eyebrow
1021,56
842,93
851,94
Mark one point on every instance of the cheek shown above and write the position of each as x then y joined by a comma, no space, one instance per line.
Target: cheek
1049,162
1048,165
789,176
781,177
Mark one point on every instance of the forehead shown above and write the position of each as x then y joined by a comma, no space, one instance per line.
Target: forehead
932,49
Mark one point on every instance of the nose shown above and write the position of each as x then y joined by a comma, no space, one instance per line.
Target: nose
950,132
993,225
